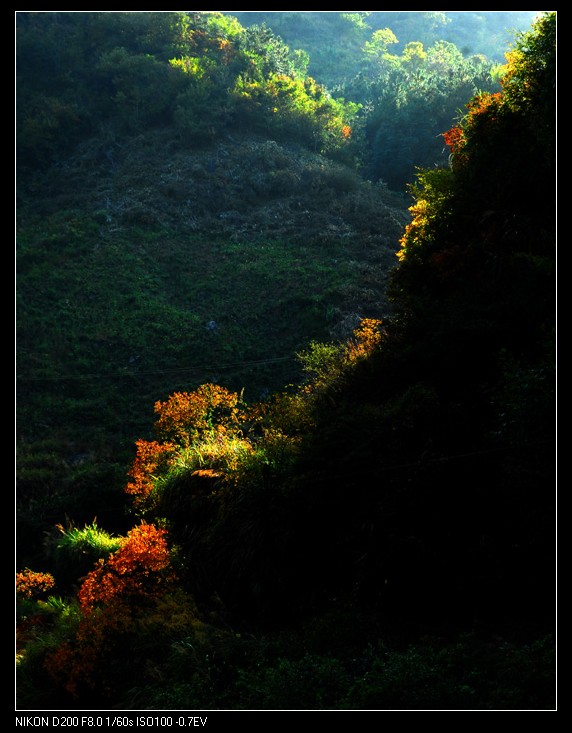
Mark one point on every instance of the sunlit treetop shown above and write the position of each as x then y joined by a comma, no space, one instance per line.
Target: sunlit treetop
528,82
379,43
501,151
531,65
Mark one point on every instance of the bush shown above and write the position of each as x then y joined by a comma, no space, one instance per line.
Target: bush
75,551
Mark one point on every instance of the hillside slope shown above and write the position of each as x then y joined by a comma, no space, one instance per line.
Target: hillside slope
145,267
378,535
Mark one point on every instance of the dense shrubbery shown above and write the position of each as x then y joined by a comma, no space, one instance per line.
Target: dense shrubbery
207,74
411,73
203,72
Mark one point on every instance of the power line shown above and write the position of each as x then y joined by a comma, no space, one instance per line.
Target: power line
180,370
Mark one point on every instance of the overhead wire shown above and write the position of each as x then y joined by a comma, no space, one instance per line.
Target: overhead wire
238,365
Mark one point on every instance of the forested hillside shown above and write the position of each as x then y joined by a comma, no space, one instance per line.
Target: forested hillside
285,360
412,72
173,228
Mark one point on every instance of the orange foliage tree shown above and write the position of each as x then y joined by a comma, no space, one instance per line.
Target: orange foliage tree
182,419
150,459
367,338
185,416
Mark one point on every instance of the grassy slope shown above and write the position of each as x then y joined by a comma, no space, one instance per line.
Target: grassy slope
130,248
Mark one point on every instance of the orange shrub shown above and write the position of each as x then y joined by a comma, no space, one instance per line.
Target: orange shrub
30,584
151,457
187,415
114,596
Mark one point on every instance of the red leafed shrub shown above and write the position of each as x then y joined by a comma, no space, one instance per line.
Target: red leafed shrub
114,597
454,139
141,567
30,584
